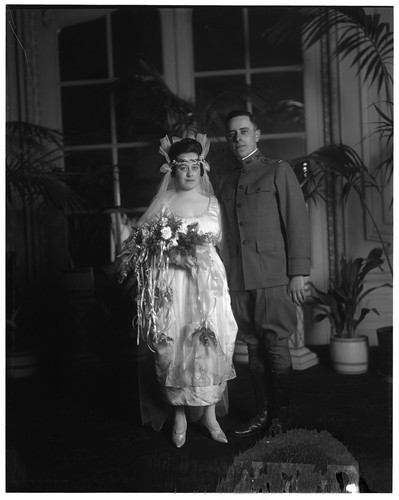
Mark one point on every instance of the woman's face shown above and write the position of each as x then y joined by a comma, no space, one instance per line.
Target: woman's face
188,171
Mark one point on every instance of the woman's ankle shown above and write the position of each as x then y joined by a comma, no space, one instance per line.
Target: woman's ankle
209,418
180,423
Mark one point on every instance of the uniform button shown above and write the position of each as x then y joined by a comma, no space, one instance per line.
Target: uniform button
239,205
257,189
242,223
243,170
240,186
244,242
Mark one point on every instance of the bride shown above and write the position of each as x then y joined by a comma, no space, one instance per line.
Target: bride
194,365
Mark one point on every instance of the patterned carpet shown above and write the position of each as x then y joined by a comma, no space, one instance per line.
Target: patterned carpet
80,431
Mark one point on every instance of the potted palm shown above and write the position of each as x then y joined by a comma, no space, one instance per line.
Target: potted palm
35,181
341,305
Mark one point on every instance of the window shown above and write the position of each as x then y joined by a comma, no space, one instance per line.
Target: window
235,67
110,137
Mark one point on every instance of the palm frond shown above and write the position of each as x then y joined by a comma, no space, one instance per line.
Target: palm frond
338,159
212,112
311,177
364,37
385,127
33,172
146,95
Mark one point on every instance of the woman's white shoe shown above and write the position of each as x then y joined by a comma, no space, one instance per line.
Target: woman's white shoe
216,434
179,438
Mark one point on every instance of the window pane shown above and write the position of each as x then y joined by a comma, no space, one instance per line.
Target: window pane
136,33
139,175
94,177
283,149
83,53
137,114
218,38
283,87
86,115
263,54
216,97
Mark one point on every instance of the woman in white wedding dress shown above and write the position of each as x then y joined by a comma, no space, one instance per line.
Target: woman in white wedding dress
195,362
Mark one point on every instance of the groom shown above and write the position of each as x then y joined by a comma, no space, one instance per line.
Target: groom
267,228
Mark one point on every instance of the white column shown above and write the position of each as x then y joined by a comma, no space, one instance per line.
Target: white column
178,55
302,357
185,54
168,30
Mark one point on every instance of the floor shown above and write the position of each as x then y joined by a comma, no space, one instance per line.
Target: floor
78,429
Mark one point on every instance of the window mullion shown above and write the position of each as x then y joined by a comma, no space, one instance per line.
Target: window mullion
247,53
115,216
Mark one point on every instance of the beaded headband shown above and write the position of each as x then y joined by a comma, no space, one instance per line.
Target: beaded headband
165,147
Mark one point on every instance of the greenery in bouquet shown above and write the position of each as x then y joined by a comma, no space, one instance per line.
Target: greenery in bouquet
146,254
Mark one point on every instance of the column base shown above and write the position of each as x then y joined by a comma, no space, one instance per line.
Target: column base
303,358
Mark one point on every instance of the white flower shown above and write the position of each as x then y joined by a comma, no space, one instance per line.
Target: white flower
173,242
183,228
166,233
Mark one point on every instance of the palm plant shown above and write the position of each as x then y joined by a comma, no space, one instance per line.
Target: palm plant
369,43
347,164
33,174
147,95
34,180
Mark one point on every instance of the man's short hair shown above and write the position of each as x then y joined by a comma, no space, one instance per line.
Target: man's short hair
240,112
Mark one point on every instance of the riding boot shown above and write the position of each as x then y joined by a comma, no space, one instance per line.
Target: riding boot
279,421
258,423
257,376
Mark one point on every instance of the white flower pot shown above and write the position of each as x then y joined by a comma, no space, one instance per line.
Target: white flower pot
21,364
350,356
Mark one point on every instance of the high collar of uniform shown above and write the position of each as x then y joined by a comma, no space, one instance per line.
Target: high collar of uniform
256,155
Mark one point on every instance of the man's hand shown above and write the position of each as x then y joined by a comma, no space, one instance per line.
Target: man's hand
298,289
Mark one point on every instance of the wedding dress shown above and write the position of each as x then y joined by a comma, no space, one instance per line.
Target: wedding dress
194,364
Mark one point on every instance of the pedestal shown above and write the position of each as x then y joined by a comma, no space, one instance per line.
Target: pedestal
302,357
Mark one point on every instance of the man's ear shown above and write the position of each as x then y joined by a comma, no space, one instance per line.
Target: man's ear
257,135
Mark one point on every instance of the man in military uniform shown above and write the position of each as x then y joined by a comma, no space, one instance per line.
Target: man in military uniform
267,232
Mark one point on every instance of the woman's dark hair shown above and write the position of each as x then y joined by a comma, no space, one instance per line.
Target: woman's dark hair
186,145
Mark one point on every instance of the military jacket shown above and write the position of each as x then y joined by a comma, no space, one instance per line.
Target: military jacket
266,224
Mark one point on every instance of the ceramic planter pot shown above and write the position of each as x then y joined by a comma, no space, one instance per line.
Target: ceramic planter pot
350,356
21,364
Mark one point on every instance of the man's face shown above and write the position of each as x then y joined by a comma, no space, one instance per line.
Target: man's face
242,136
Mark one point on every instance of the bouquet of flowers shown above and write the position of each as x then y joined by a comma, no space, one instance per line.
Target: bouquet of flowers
147,253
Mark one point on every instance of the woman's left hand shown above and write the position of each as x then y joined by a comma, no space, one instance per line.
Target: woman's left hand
190,262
